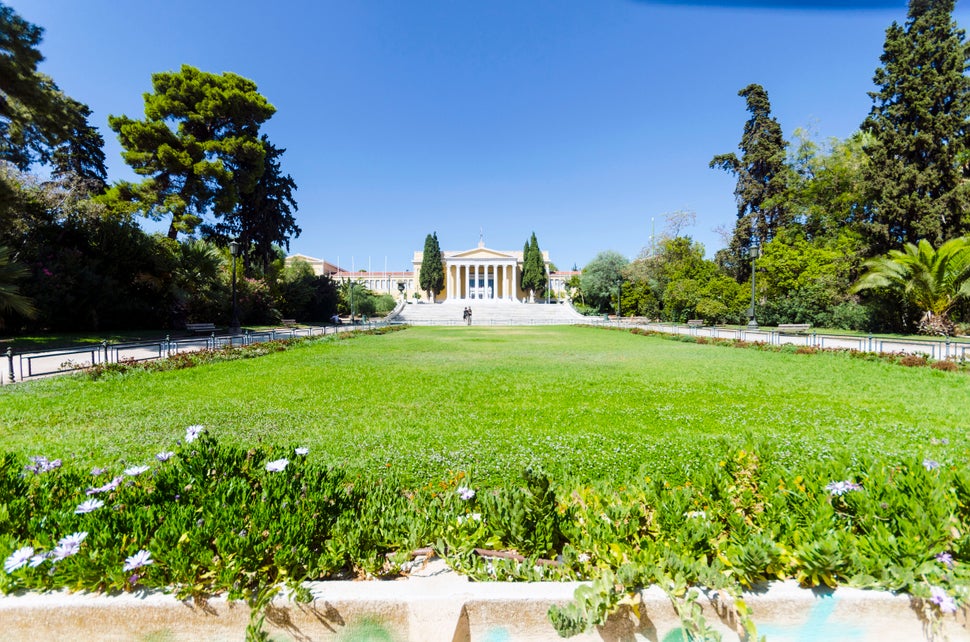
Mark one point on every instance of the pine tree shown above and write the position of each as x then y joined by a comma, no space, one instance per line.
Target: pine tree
533,269
917,161
264,217
198,146
761,173
432,276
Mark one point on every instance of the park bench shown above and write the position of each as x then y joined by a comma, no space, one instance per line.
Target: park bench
289,323
200,327
794,328
695,323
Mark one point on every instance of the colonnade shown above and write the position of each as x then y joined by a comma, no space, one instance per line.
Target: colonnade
498,280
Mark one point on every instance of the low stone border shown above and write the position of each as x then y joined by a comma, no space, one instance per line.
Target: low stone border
437,605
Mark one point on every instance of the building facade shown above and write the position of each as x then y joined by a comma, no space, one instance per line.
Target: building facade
480,274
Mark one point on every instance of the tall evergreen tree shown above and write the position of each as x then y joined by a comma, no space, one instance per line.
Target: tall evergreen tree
533,269
81,155
761,173
264,217
432,276
38,122
918,158
198,146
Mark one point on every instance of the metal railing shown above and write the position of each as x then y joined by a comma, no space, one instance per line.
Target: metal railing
45,363
939,349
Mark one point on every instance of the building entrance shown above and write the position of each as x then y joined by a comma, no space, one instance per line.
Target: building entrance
480,288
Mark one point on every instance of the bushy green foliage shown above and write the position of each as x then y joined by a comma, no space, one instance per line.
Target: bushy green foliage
934,280
677,283
806,281
243,521
600,280
533,269
915,177
432,275
761,174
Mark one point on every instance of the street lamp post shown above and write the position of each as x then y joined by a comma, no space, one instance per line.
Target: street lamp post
234,248
753,253
619,293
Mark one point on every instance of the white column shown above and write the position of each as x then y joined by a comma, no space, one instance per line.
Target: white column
510,281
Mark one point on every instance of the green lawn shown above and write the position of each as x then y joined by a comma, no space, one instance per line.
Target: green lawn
579,401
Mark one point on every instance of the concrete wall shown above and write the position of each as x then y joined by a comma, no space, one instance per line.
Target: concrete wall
444,607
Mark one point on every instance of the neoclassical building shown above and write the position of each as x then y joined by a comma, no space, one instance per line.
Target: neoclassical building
481,274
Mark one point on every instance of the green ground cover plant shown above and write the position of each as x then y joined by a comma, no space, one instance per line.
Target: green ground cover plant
207,518
620,459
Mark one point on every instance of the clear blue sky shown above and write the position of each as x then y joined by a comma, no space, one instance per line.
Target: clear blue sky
580,120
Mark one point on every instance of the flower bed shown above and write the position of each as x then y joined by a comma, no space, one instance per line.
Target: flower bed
208,519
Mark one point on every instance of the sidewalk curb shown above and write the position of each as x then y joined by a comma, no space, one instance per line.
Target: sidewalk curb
444,607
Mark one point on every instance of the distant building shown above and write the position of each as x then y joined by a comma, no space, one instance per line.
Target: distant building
480,274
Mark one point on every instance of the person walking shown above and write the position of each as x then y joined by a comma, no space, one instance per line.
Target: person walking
468,316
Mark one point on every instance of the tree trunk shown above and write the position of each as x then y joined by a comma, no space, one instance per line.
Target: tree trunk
936,325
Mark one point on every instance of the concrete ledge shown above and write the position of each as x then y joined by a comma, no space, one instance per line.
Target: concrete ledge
444,607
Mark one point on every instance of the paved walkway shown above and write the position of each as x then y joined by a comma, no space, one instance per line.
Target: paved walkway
932,348
18,367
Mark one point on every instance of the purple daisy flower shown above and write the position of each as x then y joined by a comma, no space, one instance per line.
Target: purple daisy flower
139,559
277,465
88,506
18,558
839,488
192,432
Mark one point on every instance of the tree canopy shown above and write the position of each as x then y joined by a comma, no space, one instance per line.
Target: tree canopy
534,277
432,276
932,279
264,217
198,146
761,176
38,122
601,277
917,172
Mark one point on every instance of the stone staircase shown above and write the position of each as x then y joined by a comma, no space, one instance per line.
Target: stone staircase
489,313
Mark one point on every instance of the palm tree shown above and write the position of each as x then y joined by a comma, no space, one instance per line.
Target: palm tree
933,280
11,300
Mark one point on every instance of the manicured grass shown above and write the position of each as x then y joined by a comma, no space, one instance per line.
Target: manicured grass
21,344
578,401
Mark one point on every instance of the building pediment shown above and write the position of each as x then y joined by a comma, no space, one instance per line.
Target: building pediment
480,253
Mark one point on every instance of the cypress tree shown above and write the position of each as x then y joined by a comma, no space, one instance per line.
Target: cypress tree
432,276
917,160
533,268
761,173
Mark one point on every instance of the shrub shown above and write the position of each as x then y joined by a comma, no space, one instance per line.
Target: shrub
208,518
946,365
912,360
